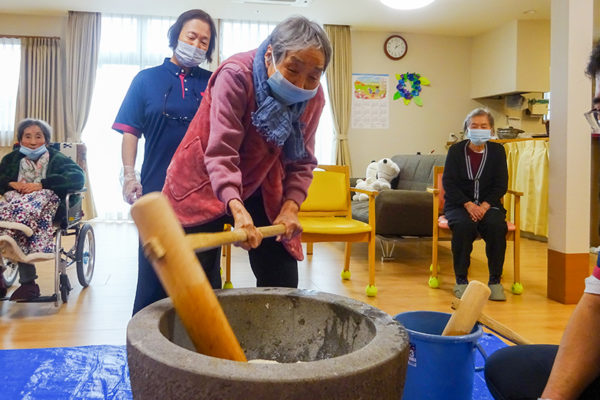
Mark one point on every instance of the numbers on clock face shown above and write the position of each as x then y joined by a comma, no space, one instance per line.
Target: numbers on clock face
395,47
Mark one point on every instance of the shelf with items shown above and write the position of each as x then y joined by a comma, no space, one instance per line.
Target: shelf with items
545,138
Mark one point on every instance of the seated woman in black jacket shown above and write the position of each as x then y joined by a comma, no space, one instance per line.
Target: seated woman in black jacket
475,180
34,180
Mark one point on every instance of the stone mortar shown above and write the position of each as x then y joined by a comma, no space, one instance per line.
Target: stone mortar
347,350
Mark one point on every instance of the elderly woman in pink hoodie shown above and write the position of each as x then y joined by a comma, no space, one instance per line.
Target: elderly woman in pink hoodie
247,157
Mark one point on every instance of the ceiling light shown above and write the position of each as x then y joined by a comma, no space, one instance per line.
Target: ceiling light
529,12
406,4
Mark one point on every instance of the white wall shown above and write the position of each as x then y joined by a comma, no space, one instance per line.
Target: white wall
533,56
445,61
494,55
33,25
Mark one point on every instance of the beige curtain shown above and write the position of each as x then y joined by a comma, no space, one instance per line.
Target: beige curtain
81,54
528,173
339,78
82,45
40,93
216,56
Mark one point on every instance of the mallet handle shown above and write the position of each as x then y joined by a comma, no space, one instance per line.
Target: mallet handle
497,327
205,241
464,319
184,279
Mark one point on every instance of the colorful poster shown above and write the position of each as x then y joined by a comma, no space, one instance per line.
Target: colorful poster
370,101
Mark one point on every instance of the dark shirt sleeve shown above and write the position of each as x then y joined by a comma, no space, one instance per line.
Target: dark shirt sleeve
130,117
451,178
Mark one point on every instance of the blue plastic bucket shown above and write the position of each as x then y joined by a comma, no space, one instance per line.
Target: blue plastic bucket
439,367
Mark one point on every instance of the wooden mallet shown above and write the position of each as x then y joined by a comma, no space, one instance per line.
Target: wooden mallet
496,326
464,318
172,255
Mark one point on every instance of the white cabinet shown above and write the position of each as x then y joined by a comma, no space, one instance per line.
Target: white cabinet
511,59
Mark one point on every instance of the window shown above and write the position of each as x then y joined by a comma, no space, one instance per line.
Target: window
118,62
127,45
239,36
325,136
10,54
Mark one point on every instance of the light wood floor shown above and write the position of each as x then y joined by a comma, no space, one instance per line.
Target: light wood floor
100,313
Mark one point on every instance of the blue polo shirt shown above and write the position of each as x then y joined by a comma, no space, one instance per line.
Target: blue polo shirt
160,104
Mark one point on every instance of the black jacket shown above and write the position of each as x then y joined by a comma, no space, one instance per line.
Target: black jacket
492,183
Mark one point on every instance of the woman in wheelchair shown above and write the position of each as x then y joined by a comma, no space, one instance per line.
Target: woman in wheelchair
34,181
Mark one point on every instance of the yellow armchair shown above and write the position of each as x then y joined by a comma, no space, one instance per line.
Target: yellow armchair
326,216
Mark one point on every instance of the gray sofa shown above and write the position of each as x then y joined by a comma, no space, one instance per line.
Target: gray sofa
406,209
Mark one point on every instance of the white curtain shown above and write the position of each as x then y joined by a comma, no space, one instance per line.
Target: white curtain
10,54
240,36
128,44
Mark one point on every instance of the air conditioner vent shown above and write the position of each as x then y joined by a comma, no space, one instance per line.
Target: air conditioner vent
295,3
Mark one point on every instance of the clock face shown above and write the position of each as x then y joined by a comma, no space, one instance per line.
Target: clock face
395,47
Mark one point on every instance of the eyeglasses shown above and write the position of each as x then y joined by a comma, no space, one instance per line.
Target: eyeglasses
593,118
185,119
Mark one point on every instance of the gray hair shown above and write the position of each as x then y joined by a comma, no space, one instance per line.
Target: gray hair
27,122
298,33
476,112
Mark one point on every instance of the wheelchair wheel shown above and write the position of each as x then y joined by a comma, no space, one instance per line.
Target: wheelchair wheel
85,254
65,287
10,273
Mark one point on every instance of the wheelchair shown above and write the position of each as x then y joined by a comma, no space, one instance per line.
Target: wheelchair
82,253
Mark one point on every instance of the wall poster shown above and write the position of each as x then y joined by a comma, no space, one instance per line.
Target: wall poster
370,101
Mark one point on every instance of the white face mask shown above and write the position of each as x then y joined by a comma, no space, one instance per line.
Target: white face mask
479,136
33,154
189,56
285,91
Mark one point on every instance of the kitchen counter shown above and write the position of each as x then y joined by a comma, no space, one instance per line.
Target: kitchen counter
543,138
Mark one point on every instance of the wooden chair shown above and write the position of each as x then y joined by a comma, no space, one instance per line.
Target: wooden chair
441,231
326,216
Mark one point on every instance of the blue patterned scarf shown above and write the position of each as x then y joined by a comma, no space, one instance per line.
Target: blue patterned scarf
277,123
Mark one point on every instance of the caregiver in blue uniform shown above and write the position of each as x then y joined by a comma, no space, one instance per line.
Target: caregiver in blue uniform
159,105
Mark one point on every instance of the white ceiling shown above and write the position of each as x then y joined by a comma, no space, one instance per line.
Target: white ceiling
444,17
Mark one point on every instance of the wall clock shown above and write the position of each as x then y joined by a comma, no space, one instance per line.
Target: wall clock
395,47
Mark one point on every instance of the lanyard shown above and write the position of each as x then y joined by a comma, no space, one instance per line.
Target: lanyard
478,174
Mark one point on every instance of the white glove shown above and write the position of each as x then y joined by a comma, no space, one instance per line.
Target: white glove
132,188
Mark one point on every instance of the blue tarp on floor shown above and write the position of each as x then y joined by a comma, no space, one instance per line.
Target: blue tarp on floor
490,343
100,372
87,372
